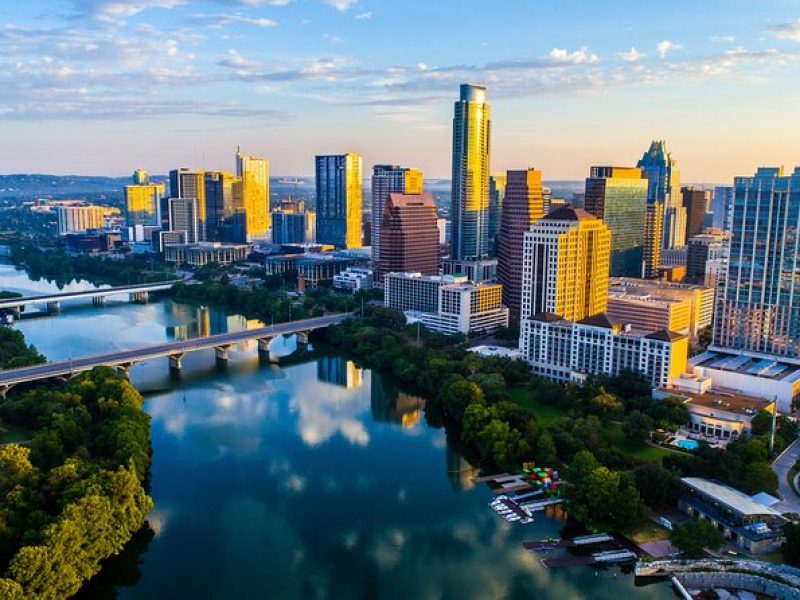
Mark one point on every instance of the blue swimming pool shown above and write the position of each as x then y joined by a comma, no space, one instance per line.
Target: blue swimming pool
687,444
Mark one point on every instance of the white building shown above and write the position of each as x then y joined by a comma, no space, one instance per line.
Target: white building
448,304
77,219
353,279
563,350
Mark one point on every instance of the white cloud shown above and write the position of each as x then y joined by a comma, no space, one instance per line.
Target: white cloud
364,15
333,39
664,47
235,60
422,66
217,21
118,10
787,31
341,5
578,57
631,55
723,39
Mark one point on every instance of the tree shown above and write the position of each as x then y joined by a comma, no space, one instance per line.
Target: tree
637,426
791,549
693,536
606,405
759,477
657,485
546,450
458,393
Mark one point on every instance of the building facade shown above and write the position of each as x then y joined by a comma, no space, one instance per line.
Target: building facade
465,307
254,173
292,223
188,183
183,217
758,308
722,206
223,197
409,239
663,177
497,193
388,179
565,265
414,291
470,178
653,227
204,253
142,203
354,279
79,219
522,207
695,202
702,248
339,201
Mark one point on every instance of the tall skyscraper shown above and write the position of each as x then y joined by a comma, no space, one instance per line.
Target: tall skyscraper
470,182
497,192
293,224
566,262
143,200
388,179
618,196
339,202
758,304
695,202
664,187
221,201
187,183
654,222
522,207
409,235
183,217
722,206
255,194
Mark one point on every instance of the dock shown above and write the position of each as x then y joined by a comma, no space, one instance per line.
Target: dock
607,557
581,541
597,538
542,504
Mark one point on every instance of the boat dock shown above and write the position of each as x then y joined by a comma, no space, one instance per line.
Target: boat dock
542,504
607,557
597,538
503,483
580,541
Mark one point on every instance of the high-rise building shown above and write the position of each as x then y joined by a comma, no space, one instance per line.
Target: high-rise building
339,203
618,196
673,234
292,223
183,217
663,176
566,262
388,179
721,207
143,200
470,181
221,202
187,183
758,307
702,248
654,221
695,202
78,219
497,192
522,207
409,236
255,194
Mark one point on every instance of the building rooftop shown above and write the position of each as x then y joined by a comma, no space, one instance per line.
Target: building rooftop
729,402
569,213
754,365
732,498
600,320
620,284
665,335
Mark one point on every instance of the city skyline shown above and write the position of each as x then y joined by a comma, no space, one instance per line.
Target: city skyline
180,82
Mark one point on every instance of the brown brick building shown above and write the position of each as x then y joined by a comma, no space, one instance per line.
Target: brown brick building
409,235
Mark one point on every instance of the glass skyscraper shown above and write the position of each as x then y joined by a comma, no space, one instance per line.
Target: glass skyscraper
758,304
339,208
664,185
255,194
470,193
618,195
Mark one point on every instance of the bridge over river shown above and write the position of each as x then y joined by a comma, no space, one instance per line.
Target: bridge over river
137,293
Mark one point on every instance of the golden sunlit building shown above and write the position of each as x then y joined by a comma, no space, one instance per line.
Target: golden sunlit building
565,265
142,203
187,183
339,200
255,194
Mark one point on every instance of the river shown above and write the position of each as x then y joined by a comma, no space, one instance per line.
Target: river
317,480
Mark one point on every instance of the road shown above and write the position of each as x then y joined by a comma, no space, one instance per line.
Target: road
782,465
108,291
122,357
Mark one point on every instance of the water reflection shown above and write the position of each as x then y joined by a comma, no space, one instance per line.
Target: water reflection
390,405
339,371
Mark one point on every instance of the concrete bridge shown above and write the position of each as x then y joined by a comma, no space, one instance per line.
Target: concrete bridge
123,360
137,293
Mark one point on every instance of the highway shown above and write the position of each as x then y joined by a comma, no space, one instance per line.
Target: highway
11,377
97,293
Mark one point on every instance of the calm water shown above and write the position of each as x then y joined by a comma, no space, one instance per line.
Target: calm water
313,481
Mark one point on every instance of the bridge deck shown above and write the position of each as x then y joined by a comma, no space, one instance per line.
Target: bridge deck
123,357
108,291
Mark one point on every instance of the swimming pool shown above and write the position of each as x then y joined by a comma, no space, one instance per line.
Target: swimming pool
688,444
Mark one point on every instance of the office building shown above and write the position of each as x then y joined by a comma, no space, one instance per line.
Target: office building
647,313
389,179
79,219
409,239
140,177
313,268
522,207
222,197
142,203
183,217
663,177
204,253
758,307
674,232
565,265
484,269
187,183
254,195
695,202
414,291
618,196
562,350
722,206
293,223
700,297
470,180
354,279
654,222
709,246
497,192
339,205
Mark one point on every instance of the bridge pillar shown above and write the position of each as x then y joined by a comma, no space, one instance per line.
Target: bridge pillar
124,369
221,353
264,355
139,297
175,362
4,389
302,338
99,300
54,306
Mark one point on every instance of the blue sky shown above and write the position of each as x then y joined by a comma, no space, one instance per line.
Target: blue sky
104,86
